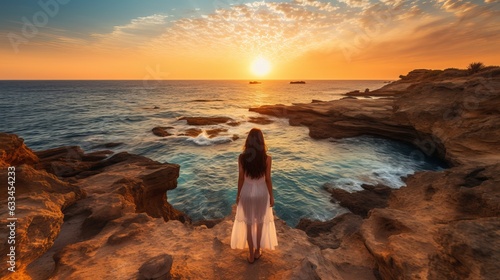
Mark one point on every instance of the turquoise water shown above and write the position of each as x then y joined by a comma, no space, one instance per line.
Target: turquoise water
50,114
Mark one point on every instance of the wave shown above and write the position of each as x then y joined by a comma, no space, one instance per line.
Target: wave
391,177
204,140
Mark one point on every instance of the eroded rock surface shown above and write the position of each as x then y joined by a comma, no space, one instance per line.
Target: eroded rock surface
91,191
442,225
40,199
454,118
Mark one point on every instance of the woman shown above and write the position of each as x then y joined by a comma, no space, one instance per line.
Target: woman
254,222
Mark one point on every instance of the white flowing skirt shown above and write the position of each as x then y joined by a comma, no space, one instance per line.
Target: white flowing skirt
254,209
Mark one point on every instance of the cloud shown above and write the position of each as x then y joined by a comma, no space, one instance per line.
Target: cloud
471,31
356,3
137,32
323,6
272,29
456,6
286,30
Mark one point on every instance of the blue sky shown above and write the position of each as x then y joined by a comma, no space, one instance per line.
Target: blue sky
90,16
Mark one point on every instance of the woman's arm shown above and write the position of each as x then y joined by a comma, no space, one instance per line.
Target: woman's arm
269,182
241,178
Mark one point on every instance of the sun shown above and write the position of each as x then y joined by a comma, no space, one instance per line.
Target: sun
261,66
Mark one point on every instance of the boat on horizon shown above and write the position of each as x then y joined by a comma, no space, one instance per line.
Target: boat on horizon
255,82
297,82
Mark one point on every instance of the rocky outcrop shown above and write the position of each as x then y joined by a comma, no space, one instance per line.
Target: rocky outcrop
40,199
442,225
342,244
439,226
161,131
14,152
456,119
347,118
360,202
69,161
61,188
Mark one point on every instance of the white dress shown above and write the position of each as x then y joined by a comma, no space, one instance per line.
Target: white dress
254,208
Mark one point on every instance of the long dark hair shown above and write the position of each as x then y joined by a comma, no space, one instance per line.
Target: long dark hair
254,156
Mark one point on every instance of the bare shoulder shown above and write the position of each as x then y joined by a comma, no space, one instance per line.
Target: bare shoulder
269,158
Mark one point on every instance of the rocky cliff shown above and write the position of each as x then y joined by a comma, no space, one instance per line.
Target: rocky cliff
442,225
454,118
64,196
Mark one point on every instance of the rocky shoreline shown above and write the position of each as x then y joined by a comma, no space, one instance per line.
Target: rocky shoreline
98,215
442,225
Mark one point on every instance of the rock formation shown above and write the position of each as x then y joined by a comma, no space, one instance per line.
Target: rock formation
161,131
89,189
455,119
442,225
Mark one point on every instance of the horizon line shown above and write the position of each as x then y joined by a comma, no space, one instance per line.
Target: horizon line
261,80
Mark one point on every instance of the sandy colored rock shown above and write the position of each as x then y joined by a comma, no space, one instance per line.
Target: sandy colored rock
14,152
440,224
197,253
40,200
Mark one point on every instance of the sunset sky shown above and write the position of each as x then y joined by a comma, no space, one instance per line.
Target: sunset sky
221,39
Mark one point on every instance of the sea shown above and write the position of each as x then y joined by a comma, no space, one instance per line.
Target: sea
49,114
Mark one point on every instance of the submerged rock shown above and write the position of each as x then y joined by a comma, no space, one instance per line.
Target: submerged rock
161,131
215,132
260,120
108,145
206,120
191,132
